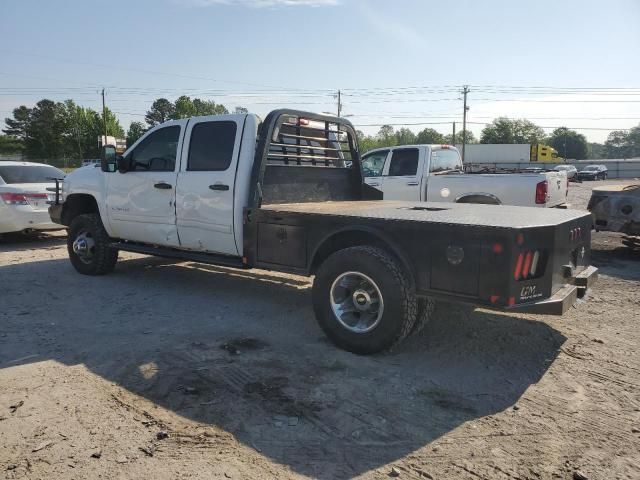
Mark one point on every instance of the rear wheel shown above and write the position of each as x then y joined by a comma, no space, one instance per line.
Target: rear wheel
89,246
363,300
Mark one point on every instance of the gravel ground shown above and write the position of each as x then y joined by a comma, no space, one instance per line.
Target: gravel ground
178,370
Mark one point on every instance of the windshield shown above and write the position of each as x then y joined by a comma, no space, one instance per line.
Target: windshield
562,167
29,173
593,167
373,163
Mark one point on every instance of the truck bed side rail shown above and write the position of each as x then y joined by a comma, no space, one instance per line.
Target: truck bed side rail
306,157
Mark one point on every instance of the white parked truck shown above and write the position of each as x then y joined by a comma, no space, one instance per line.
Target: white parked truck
434,173
287,194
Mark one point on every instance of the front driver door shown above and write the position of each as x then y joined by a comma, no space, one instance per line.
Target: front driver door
141,202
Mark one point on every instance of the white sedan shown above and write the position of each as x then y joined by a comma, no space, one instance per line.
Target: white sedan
24,195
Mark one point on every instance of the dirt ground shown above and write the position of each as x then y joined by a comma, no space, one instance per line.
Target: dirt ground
172,370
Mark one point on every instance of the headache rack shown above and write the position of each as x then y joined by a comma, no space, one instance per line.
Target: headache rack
306,157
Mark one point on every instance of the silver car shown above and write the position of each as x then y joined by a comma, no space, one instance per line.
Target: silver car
570,169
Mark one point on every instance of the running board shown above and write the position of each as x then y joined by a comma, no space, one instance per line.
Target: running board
209,258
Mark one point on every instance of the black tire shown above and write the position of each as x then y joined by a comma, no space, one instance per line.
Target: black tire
399,311
103,257
426,309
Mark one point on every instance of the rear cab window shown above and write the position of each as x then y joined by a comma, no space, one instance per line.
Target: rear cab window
445,160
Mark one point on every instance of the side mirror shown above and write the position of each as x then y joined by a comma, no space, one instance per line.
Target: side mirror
108,158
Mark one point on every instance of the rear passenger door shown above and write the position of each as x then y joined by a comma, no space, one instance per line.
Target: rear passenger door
205,193
400,180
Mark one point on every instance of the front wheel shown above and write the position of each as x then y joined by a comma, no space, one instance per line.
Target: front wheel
364,300
89,246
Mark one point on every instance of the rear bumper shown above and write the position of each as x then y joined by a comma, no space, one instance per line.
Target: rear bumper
564,298
23,218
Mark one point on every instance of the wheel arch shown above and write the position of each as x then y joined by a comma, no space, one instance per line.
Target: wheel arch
78,204
354,236
479,197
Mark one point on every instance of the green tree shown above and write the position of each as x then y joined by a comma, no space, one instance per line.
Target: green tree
62,130
209,107
506,130
623,144
136,130
596,150
11,145
569,143
386,136
405,136
17,126
617,145
185,107
161,110
471,138
45,131
429,136
366,142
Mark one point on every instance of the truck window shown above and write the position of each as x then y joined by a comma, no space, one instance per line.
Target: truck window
404,162
157,152
373,163
211,146
445,159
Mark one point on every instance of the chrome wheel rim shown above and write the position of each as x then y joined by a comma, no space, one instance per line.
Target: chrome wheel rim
84,247
356,302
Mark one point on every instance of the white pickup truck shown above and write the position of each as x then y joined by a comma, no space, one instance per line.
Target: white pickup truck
434,173
287,194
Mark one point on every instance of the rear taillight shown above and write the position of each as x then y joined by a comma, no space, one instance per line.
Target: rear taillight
14,198
527,265
541,192
20,198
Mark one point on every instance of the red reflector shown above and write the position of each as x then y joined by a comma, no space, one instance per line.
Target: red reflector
497,248
512,301
520,239
494,298
527,265
541,192
518,270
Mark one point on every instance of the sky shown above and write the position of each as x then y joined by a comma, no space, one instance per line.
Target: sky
559,63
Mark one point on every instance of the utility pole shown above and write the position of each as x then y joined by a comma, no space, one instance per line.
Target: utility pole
465,90
453,137
104,118
339,103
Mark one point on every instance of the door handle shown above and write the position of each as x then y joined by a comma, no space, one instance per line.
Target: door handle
219,186
413,183
163,186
